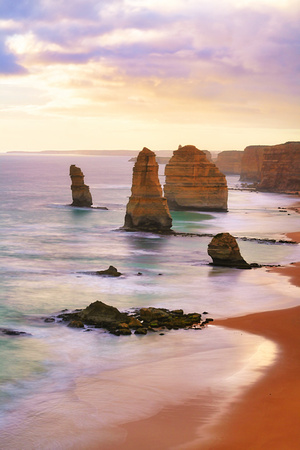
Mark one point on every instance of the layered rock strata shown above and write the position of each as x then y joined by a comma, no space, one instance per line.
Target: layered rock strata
194,183
280,170
147,209
224,251
251,163
229,162
80,192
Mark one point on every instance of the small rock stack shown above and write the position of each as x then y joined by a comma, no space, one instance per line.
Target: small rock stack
80,192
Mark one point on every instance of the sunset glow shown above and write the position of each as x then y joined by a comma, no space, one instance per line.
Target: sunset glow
124,74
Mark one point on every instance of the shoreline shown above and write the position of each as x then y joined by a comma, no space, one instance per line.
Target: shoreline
264,416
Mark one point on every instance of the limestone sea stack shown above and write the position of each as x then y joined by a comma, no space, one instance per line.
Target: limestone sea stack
224,251
80,192
194,183
147,209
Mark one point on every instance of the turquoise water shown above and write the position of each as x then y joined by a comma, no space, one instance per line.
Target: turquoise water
46,246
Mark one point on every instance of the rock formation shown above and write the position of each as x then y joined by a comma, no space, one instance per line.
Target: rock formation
224,251
110,272
194,183
80,192
100,315
229,162
251,163
147,209
280,170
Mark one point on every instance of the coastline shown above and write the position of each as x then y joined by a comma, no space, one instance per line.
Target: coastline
265,416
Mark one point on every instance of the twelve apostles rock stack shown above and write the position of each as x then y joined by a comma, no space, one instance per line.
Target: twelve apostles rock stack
194,183
147,209
80,192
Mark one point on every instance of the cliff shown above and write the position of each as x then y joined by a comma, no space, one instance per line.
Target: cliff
251,163
80,192
147,209
229,162
194,183
281,168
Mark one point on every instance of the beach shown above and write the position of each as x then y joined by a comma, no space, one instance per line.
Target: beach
266,416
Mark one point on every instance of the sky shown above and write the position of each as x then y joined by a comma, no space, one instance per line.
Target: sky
128,74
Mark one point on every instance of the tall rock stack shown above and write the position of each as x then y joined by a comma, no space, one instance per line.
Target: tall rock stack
194,183
80,192
280,170
147,209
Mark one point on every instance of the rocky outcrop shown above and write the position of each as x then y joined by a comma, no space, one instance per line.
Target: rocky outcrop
280,170
80,192
229,162
110,272
251,163
100,315
224,251
194,183
147,209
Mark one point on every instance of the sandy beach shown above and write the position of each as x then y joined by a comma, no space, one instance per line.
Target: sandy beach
266,416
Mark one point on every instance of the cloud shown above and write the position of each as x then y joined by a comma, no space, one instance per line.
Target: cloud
9,64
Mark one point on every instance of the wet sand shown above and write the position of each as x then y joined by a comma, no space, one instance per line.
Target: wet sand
266,416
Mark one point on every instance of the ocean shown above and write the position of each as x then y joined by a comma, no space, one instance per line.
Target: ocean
62,388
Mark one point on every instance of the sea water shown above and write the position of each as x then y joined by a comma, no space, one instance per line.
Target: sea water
66,388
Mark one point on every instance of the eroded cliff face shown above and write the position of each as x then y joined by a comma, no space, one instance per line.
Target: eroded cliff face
229,162
251,164
147,209
194,183
80,192
281,168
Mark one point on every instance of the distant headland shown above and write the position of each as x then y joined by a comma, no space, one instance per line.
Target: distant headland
89,152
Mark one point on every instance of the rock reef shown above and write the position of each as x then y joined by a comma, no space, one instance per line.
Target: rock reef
80,192
142,320
194,183
280,171
147,209
224,251
229,162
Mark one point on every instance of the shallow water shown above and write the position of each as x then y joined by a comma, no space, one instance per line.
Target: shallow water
46,246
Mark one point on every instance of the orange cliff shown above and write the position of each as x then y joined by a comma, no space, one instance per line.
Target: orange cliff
194,183
280,170
229,162
251,163
147,209
80,192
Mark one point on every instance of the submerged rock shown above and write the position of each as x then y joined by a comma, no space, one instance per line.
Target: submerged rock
80,192
224,251
141,321
147,209
194,183
10,332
